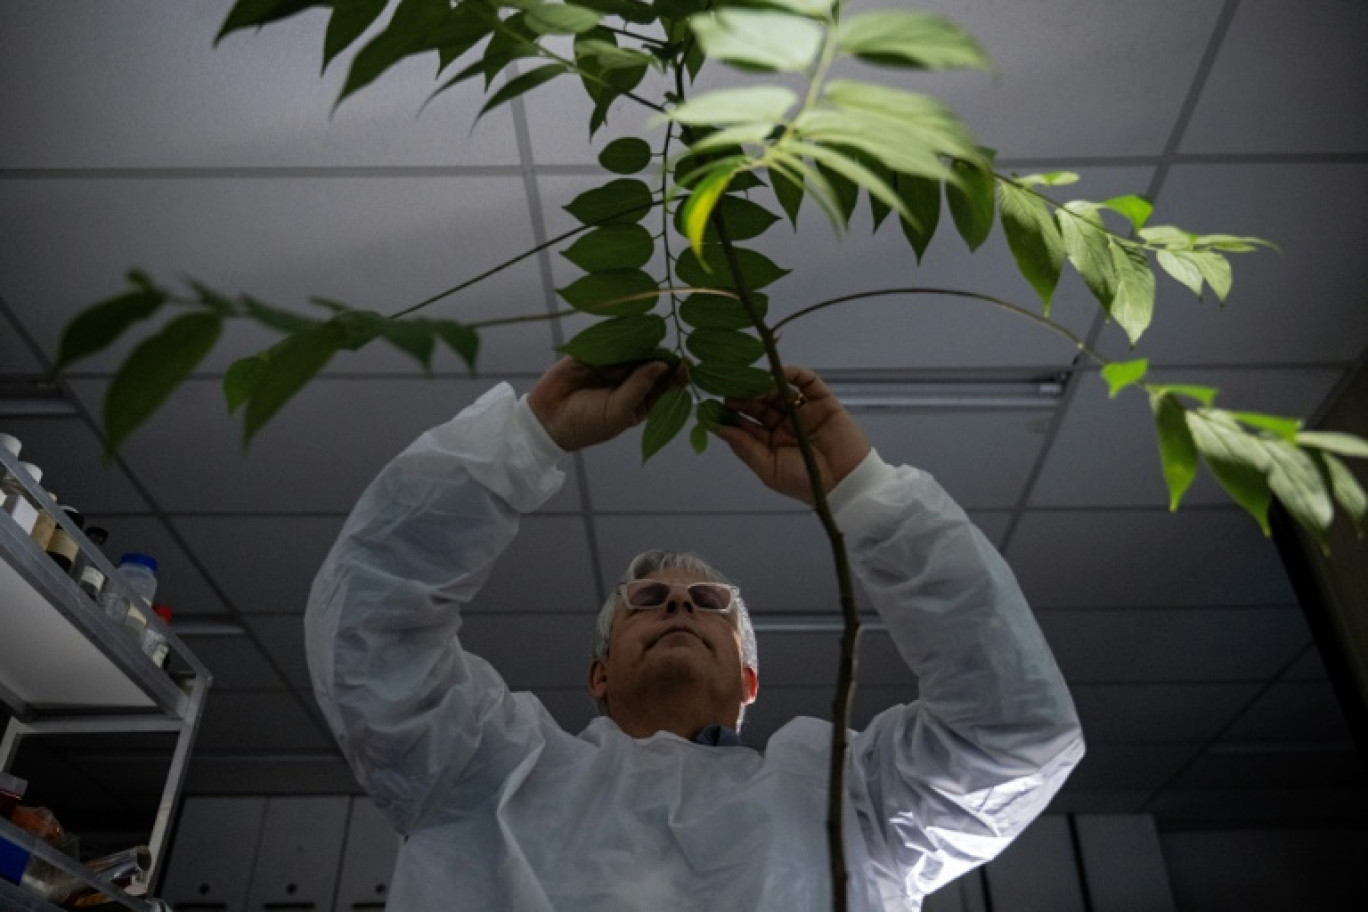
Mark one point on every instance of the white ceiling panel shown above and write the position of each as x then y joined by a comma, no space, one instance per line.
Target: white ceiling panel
260,721
534,650
1105,451
316,456
138,83
1283,78
1137,558
1303,307
212,774
760,553
265,565
1250,810
72,458
1132,712
15,354
1292,769
1293,711
282,637
235,662
372,243
1130,766
1098,645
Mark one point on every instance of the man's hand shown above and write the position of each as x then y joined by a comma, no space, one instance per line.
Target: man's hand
766,442
580,405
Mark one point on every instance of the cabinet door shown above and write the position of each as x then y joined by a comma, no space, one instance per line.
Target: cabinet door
368,861
1037,872
301,847
211,858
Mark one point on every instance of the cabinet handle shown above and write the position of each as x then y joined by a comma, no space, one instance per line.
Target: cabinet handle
287,906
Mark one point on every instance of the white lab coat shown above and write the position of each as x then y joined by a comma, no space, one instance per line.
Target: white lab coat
504,810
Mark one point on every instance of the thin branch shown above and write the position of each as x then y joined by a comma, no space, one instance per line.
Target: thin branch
953,293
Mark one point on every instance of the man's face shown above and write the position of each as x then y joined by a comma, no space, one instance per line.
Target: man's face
673,649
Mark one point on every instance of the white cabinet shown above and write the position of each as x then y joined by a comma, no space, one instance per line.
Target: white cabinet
213,853
301,848
66,669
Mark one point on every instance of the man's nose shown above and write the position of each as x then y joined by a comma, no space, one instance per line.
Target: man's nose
673,604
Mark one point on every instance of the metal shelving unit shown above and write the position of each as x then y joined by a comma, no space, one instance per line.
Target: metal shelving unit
66,669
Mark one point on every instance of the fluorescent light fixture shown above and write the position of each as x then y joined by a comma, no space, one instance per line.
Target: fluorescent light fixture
31,397
811,623
206,626
877,395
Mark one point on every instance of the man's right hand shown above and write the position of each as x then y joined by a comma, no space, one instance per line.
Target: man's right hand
580,405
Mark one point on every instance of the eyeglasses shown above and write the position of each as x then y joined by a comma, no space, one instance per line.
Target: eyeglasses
649,594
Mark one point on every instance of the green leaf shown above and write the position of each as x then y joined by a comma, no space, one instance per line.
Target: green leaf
1136,209
906,147
1286,428
713,414
815,8
1203,394
247,14
698,439
620,201
922,198
360,327
667,418
1168,237
154,369
630,10
971,202
242,378
1047,179
724,346
414,337
907,38
617,340
1335,442
1121,374
729,139
744,219
613,292
612,247
627,155
409,32
1238,461
1177,265
213,300
463,340
522,84
1088,248
789,194
713,271
732,380
1215,270
846,190
291,364
1034,239
698,208
904,119
755,38
560,19
604,56
349,21
1348,492
1177,449
274,317
95,328
512,40
702,310
1132,305
747,105
1296,480
1230,243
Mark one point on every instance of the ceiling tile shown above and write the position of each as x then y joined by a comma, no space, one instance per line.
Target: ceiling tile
233,775
1125,767
1134,712
533,650
1135,558
1308,668
169,98
15,353
264,564
1104,453
1282,80
1098,645
1282,769
380,243
235,662
1293,711
1233,810
74,466
316,456
282,637
1304,307
267,721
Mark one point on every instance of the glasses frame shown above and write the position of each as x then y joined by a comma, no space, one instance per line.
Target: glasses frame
731,602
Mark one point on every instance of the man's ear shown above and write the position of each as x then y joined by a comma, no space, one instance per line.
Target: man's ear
598,680
750,684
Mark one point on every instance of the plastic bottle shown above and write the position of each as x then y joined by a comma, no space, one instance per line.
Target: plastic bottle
139,572
17,503
44,525
88,576
154,641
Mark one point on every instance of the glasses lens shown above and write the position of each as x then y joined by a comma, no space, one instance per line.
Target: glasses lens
648,594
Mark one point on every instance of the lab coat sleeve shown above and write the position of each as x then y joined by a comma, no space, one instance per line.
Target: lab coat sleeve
414,714
954,776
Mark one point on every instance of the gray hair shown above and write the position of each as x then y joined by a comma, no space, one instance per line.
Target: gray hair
648,562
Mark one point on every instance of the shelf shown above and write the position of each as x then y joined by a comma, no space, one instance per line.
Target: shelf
12,894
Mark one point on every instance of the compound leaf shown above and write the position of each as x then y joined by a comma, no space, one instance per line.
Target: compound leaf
971,200
95,328
154,369
1034,239
613,292
611,247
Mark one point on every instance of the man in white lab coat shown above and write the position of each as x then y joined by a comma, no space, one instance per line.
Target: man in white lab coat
656,805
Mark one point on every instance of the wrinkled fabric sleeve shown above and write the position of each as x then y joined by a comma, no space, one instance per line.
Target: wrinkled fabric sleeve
955,775
411,710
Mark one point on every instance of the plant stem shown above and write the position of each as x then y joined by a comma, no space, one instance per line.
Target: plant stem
850,633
